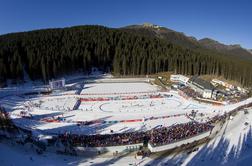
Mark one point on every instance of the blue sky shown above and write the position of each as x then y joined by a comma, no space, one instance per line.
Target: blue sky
228,21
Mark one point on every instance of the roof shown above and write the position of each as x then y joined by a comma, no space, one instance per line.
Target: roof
201,83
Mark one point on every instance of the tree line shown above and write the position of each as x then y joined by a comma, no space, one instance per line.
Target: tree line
46,54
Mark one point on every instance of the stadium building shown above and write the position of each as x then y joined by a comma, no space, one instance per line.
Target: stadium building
57,84
177,78
201,86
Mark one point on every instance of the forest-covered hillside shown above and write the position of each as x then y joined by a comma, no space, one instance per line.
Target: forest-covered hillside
45,54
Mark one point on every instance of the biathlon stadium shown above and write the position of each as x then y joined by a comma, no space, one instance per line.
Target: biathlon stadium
114,116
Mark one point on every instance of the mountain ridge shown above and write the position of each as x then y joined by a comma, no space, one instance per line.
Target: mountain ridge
183,40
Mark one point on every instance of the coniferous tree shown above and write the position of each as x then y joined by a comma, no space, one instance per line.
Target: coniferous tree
49,53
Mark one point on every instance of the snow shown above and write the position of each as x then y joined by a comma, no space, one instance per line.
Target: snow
143,113
13,154
231,146
60,103
110,88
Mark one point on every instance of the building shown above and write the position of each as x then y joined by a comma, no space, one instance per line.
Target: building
201,86
217,82
177,78
57,84
150,25
218,94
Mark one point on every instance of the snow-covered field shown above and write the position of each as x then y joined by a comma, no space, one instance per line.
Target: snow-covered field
142,113
139,112
60,103
110,88
53,114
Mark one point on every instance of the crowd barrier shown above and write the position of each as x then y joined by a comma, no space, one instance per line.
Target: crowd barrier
121,93
60,120
159,96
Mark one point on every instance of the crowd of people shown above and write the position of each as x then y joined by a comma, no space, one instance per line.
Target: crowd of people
158,136
103,140
167,135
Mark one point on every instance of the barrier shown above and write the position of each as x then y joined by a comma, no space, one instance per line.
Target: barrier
110,149
122,93
216,103
159,96
132,120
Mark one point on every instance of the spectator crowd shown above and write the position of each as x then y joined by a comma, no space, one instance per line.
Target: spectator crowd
158,136
167,135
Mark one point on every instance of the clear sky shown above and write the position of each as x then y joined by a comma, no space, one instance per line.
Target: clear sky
228,21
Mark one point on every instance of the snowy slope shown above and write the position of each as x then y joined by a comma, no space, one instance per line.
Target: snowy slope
232,146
